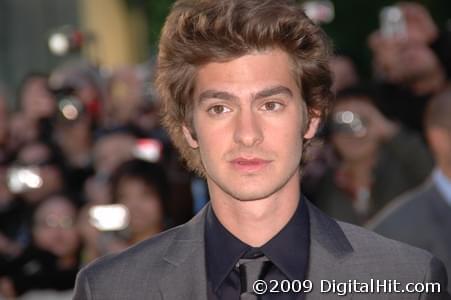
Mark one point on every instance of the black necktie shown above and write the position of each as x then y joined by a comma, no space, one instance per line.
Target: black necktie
251,270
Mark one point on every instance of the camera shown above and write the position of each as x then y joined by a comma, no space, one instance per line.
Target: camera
349,122
23,178
112,217
392,22
70,107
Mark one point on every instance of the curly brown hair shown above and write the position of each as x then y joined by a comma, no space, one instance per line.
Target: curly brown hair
198,32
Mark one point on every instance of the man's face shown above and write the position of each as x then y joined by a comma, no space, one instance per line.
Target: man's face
248,122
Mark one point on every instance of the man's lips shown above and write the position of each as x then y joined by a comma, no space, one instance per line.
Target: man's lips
249,164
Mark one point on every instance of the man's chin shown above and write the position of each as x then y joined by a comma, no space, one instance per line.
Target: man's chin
247,194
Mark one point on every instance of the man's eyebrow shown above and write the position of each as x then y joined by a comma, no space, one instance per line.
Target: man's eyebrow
272,91
214,94
222,95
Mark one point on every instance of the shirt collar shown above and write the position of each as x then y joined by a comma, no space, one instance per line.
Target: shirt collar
288,250
223,250
443,184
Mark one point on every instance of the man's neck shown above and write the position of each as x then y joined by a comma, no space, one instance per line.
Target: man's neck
446,170
256,222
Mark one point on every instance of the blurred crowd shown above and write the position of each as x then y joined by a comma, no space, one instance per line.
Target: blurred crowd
86,169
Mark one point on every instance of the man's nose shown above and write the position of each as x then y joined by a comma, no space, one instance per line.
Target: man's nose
248,130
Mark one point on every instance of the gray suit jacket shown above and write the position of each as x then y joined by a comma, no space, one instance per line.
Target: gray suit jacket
420,218
172,265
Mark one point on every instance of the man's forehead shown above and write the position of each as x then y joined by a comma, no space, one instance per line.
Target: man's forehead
257,73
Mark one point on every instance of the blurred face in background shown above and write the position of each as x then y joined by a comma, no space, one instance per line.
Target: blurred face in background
36,100
125,95
112,150
344,73
54,227
143,203
360,144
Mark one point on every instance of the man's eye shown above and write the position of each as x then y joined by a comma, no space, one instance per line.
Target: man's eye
272,106
218,109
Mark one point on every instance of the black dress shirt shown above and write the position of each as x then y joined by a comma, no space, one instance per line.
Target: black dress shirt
288,251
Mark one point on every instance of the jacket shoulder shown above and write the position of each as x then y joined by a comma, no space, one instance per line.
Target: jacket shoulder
381,257
123,273
148,251
412,204
366,241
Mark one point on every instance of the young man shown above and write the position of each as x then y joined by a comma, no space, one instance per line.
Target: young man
244,83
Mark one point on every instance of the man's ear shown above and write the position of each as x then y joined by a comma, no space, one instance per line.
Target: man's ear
312,127
189,137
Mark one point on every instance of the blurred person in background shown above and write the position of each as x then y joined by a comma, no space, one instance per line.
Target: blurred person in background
133,102
408,67
320,154
143,188
35,98
44,177
344,72
422,217
46,158
126,89
91,237
51,261
81,79
37,106
73,133
376,160
97,242
80,92
111,148
96,190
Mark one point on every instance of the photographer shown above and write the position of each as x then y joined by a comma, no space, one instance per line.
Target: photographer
376,159
408,63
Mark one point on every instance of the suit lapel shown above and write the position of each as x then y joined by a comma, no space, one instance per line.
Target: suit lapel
184,272
329,251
